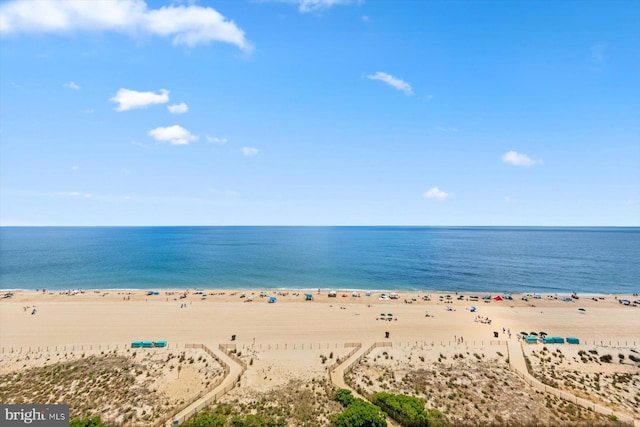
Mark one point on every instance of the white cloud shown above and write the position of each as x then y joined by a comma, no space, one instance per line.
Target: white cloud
436,193
314,5
72,85
89,110
230,193
174,135
598,51
517,159
188,25
75,194
250,151
129,99
216,140
75,167
392,81
178,108
139,144
306,6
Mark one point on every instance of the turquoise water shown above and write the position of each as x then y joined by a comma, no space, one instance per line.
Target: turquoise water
465,259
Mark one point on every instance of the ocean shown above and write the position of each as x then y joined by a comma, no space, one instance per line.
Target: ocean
592,260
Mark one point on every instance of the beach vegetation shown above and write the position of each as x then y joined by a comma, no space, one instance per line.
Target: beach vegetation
344,396
360,413
210,417
606,358
409,411
87,422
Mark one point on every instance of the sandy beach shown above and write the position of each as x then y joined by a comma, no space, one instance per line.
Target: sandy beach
113,316
285,341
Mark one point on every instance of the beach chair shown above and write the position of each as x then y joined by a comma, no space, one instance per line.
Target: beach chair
160,344
147,344
136,344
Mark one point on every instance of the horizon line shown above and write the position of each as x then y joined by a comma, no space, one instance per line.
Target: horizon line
315,225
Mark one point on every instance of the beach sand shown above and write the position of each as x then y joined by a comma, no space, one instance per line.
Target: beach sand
109,317
287,339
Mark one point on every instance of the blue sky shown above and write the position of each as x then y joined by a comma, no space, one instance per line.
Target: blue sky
319,112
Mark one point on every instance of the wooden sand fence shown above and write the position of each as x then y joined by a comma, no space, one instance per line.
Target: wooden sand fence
287,346
76,347
207,397
356,346
353,363
569,397
298,346
357,360
449,344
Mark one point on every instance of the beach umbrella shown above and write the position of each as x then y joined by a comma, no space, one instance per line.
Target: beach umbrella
524,333
533,333
582,309
389,315
382,314
543,333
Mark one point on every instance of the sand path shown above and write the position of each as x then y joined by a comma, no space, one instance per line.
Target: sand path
235,371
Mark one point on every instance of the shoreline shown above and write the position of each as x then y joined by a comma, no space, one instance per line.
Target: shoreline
314,291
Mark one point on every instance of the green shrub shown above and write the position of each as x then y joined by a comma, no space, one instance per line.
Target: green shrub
252,420
87,422
409,411
606,358
360,414
210,417
344,396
